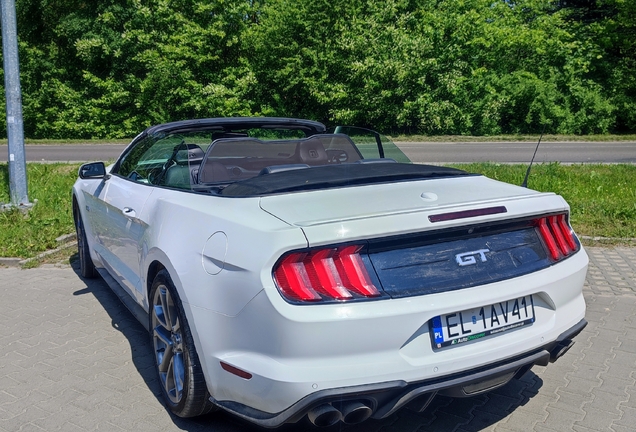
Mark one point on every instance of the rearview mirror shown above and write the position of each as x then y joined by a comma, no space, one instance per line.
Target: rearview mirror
93,170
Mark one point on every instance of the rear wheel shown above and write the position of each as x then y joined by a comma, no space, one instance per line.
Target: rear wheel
180,374
87,268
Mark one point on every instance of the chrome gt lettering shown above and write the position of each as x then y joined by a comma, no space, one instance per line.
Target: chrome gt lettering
468,258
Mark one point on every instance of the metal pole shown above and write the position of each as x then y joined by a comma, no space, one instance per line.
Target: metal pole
15,126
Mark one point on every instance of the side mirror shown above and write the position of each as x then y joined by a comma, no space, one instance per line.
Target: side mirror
93,170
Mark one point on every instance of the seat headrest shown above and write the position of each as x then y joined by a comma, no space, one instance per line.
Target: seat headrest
312,152
191,153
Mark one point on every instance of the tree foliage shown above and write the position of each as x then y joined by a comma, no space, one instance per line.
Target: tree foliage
112,67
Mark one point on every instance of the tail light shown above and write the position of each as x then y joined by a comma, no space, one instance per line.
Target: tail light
324,275
557,236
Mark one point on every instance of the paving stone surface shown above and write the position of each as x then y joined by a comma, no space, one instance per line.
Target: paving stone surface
72,358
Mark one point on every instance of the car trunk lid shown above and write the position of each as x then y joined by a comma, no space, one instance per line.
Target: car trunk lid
383,205
414,252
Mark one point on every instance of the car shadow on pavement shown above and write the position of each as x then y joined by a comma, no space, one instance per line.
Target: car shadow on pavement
142,357
444,413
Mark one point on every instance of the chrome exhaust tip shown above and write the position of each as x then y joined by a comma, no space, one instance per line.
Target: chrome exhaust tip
355,412
561,349
324,416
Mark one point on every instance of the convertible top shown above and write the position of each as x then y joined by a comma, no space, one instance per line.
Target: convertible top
332,176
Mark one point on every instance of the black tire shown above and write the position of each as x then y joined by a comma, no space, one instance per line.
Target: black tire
176,361
87,268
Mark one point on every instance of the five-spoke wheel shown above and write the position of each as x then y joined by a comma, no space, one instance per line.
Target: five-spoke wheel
168,344
180,374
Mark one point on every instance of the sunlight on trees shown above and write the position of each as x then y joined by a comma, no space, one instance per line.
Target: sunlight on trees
110,68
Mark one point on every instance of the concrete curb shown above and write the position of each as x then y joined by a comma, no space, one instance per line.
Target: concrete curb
622,239
10,262
64,242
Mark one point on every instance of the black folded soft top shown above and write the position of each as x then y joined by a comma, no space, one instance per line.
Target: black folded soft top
335,176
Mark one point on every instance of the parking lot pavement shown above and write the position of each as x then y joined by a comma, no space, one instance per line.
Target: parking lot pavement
73,359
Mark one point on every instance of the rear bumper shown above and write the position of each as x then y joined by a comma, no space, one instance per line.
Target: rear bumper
387,397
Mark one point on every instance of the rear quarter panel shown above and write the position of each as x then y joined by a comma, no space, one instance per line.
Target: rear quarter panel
224,276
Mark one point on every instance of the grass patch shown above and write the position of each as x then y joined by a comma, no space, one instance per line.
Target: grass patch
513,138
64,256
25,235
602,198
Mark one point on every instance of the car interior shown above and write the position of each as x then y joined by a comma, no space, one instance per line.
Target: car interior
230,159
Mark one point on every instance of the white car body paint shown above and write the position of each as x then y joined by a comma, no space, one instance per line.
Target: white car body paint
214,253
331,345
220,253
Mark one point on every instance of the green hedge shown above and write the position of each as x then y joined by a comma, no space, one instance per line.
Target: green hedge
109,68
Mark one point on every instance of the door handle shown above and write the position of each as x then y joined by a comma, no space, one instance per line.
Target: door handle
129,213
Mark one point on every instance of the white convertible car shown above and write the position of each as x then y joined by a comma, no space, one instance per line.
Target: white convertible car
285,272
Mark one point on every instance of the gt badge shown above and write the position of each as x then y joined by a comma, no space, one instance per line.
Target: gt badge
468,258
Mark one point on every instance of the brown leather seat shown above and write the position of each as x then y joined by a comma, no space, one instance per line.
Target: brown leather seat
312,152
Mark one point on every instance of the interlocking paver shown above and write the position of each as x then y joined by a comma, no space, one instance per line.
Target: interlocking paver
522,420
560,419
572,402
73,359
597,419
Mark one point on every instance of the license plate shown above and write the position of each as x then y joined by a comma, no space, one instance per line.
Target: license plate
472,324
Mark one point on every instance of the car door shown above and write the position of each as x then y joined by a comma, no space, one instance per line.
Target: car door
117,210
119,228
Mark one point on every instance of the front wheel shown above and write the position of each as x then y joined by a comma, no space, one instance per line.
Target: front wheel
179,370
87,268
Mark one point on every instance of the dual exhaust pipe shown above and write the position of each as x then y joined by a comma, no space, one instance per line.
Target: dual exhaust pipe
349,413
561,348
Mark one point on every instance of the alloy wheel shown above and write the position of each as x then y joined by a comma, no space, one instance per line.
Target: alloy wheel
168,344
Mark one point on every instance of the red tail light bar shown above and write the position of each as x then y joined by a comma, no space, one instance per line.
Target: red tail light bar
324,275
557,236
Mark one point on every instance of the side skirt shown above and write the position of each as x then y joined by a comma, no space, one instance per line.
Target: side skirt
134,308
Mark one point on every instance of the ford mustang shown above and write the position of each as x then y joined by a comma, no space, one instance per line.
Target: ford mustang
286,273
